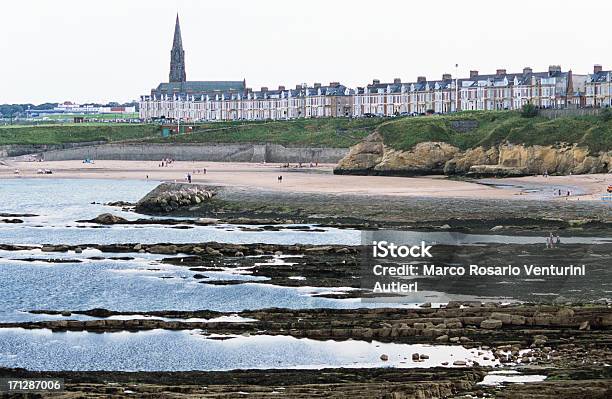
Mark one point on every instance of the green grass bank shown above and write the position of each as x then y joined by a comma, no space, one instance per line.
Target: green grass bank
493,128
488,129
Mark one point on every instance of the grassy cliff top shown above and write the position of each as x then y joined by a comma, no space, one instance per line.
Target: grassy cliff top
496,127
74,133
326,132
488,129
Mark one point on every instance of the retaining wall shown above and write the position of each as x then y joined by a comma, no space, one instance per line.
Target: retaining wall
565,112
15,150
273,153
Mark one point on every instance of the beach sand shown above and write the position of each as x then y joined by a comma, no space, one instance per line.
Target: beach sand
318,179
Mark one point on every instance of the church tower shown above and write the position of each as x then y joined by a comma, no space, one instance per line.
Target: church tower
177,56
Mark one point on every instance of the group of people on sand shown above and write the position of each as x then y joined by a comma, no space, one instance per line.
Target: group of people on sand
553,241
188,176
166,162
300,165
560,193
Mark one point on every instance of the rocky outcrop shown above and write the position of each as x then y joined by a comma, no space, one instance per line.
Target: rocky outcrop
462,162
168,197
373,157
362,157
424,159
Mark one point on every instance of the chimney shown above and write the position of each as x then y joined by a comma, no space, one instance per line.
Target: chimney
333,84
527,70
597,68
554,68
317,85
397,81
376,81
281,88
446,76
500,72
421,79
473,74
298,87
264,89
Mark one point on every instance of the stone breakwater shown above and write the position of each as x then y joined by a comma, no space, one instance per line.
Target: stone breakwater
168,197
373,157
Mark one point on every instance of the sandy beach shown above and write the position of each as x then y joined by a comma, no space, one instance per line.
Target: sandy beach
318,179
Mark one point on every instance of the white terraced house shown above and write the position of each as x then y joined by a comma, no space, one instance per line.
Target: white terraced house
598,91
230,101
233,101
318,101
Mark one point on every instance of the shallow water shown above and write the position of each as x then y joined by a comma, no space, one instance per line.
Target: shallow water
501,377
61,202
141,284
144,284
189,350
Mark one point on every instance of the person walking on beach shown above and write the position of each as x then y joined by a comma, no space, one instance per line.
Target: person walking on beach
188,177
280,179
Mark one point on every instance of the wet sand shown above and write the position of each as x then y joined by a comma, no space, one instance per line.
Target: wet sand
319,179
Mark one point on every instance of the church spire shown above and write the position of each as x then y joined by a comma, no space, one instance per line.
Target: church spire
177,56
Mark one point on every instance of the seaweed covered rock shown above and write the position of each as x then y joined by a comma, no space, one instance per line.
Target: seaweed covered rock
169,197
108,218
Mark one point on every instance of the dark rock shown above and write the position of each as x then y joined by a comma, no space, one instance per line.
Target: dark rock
108,218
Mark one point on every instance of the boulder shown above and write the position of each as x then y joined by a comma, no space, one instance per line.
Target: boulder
491,324
169,197
442,338
108,218
163,249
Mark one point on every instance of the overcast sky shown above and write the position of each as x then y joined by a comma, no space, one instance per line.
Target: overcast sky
116,50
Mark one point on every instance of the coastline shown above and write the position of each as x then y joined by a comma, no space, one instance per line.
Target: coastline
527,338
320,179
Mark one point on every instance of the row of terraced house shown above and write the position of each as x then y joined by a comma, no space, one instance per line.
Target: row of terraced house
225,101
232,100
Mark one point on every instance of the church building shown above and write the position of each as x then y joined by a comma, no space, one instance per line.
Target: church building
179,86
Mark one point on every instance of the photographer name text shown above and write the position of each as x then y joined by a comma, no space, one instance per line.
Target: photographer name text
391,251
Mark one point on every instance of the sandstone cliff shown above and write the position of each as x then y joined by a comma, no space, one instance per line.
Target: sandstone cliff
373,157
